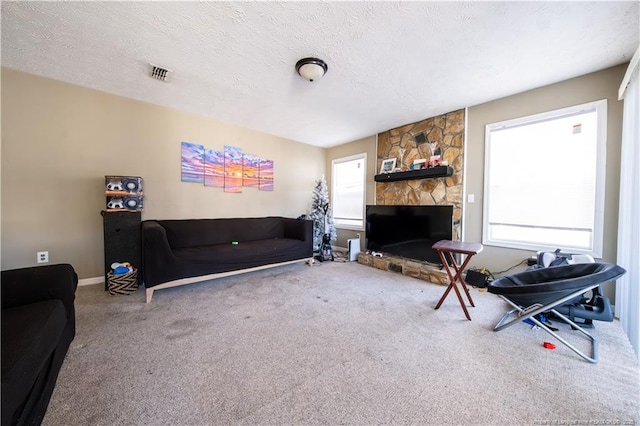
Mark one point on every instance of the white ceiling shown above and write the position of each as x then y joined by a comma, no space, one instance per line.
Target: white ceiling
390,63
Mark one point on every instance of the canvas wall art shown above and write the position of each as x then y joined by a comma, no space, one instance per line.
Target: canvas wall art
266,175
192,162
232,169
214,168
250,171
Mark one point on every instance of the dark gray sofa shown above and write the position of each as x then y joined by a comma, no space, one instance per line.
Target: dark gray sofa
177,252
38,325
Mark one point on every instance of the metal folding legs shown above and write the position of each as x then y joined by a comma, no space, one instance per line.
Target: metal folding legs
537,308
543,290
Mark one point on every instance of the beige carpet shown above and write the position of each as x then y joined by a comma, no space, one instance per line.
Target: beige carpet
338,343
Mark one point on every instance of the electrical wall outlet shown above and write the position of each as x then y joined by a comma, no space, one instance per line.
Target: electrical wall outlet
42,257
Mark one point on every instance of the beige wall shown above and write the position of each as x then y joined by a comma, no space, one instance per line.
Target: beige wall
60,140
599,85
368,146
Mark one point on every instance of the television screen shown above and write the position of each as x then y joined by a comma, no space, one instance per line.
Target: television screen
408,231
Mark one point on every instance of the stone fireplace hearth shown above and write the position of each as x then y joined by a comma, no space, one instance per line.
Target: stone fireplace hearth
412,268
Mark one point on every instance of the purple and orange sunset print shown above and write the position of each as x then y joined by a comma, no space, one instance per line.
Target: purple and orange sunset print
232,169
266,175
214,168
192,162
250,171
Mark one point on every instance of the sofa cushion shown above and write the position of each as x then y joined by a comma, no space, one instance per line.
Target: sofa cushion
244,254
30,333
205,232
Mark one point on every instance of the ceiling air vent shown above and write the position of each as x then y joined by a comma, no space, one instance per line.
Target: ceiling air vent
159,73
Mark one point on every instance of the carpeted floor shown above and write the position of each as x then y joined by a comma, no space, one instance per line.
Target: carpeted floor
338,343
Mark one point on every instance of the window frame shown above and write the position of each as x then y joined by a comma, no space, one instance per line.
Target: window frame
363,157
600,108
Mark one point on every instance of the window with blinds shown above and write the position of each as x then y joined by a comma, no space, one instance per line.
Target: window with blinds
348,191
544,180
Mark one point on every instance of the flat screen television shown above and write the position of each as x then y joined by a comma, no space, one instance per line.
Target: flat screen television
408,231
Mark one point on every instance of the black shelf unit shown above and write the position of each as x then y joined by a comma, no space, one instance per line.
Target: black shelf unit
431,172
122,240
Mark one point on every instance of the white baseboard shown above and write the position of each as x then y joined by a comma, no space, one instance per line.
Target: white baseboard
91,281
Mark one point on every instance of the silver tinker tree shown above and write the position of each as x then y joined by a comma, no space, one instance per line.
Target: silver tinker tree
321,214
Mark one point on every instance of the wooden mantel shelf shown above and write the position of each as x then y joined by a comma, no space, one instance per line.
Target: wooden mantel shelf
432,172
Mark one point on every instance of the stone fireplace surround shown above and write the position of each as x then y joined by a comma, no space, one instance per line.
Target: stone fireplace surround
408,143
412,268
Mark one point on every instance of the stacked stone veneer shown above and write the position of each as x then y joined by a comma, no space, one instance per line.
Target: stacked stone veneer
413,268
447,133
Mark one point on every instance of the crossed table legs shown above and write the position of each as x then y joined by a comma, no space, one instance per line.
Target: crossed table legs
446,248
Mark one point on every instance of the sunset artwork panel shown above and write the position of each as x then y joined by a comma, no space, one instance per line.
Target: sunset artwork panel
214,168
250,170
232,169
192,162
266,175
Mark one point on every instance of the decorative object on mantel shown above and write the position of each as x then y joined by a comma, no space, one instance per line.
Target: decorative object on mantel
400,159
436,155
231,169
311,68
430,172
418,164
388,165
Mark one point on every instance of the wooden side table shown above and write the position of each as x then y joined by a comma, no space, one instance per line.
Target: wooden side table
446,249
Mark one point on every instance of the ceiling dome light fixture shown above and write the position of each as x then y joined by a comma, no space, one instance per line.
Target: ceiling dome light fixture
311,68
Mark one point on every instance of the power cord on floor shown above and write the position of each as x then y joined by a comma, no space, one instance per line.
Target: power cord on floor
482,277
506,270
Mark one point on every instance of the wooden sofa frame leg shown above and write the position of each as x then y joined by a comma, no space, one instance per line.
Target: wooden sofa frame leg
149,292
184,281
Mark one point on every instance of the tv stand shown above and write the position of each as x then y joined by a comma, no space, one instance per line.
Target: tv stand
431,172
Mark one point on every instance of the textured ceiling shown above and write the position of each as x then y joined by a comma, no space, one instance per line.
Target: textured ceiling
390,63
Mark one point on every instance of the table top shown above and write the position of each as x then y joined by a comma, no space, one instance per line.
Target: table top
458,247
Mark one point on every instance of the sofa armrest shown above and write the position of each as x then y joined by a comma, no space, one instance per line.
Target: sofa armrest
157,254
40,283
298,229
155,241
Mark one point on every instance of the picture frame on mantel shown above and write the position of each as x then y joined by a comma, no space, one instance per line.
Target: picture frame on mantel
388,165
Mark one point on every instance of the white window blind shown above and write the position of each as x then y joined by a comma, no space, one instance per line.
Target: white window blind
348,191
544,180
